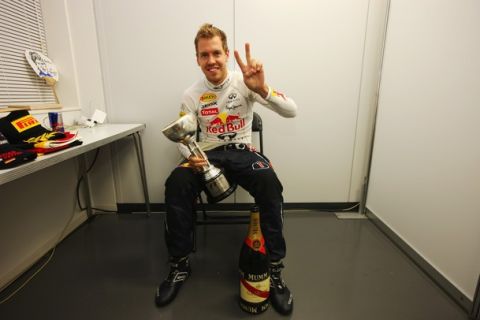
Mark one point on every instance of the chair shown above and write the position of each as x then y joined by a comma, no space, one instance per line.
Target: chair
257,126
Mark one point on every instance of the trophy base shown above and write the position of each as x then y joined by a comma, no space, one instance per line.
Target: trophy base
214,199
218,188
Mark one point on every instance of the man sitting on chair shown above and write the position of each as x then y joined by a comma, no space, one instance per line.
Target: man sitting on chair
222,103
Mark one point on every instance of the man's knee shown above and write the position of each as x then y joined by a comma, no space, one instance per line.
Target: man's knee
179,176
267,183
181,180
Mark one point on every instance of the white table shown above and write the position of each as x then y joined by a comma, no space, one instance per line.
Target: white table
92,138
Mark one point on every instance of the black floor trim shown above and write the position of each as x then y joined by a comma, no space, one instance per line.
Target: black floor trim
321,206
475,314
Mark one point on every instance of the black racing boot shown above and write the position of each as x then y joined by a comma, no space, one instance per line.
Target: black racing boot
168,289
280,296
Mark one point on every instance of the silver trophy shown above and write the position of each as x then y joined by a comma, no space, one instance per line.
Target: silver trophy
183,130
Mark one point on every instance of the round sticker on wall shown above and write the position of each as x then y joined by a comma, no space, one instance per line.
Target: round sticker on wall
41,64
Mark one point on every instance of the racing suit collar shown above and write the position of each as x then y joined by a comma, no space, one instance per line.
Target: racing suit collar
218,87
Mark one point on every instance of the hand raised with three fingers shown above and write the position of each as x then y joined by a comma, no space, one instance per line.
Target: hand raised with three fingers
253,74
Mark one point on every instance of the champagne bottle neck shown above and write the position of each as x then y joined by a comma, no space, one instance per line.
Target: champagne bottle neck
254,229
255,239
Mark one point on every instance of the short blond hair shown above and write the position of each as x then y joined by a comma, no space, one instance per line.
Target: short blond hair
208,31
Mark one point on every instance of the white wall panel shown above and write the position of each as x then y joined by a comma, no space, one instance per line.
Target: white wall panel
368,98
425,178
83,39
148,60
60,50
312,50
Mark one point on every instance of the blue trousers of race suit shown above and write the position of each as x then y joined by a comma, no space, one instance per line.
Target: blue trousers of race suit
250,170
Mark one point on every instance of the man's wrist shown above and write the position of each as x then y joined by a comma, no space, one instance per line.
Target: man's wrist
263,92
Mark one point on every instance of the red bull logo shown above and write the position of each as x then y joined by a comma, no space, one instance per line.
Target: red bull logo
225,123
216,122
232,118
25,123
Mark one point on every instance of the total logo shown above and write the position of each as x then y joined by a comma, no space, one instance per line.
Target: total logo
209,111
225,122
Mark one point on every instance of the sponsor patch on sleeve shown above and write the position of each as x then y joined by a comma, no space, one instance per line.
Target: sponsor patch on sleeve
260,165
276,93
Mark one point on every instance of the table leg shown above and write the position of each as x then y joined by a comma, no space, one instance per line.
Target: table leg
86,183
141,164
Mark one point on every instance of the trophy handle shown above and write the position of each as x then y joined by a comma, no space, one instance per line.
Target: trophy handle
217,186
198,152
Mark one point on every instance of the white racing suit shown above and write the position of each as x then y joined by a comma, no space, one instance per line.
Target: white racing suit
224,113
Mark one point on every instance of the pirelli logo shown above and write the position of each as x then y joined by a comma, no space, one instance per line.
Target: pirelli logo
25,123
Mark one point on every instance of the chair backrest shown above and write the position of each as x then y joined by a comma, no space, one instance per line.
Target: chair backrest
257,126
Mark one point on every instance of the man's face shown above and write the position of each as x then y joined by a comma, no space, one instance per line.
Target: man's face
212,59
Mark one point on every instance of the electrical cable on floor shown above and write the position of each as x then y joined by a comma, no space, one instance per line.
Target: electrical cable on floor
79,182
8,297
342,210
97,151
352,207
21,286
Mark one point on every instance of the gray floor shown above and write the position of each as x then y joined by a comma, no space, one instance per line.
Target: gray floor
337,270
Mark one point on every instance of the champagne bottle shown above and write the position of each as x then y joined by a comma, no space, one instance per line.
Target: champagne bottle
253,265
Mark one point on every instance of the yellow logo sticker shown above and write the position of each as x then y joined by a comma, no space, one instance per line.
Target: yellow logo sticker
276,93
208,97
25,123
